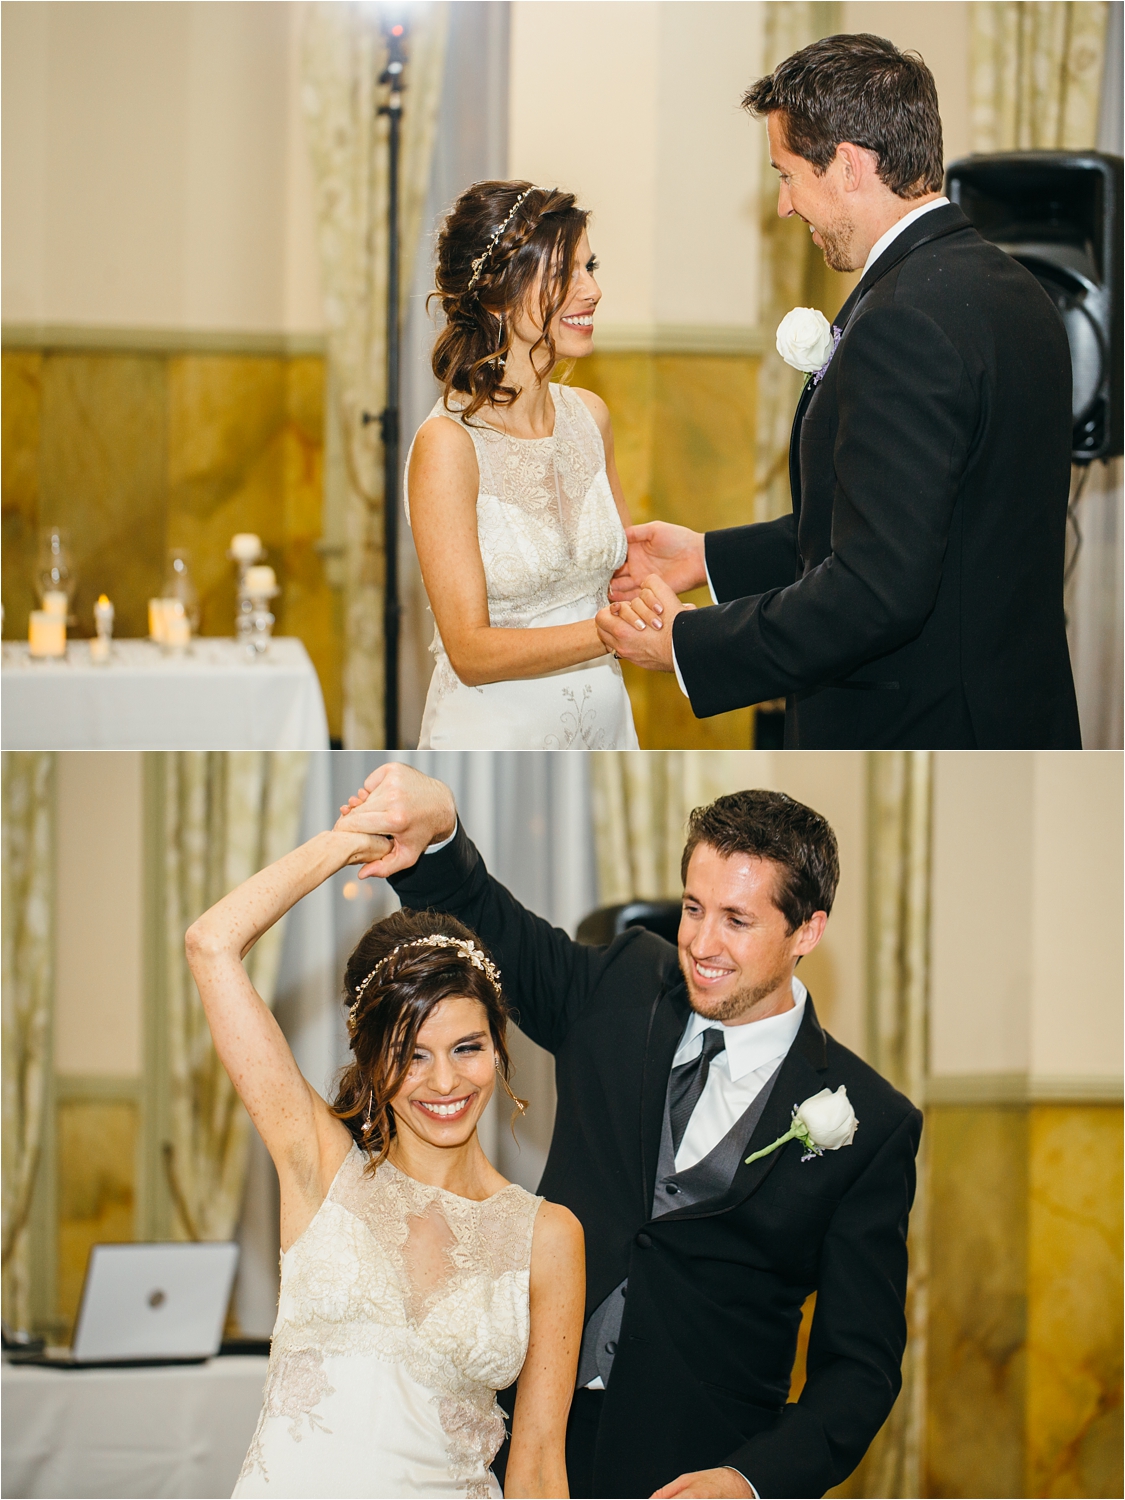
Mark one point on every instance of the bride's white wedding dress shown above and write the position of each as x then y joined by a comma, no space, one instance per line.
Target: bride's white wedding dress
550,539
403,1310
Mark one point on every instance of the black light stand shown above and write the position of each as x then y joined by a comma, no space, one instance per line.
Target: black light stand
392,75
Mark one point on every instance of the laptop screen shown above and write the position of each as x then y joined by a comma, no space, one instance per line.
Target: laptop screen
154,1301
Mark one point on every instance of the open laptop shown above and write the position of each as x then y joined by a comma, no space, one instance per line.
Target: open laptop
149,1305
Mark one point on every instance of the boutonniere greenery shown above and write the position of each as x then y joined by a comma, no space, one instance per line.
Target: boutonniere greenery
825,1122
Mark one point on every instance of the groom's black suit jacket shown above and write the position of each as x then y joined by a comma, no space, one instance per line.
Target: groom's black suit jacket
707,1343
914,597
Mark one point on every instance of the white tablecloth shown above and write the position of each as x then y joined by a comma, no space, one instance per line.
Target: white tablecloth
213,698
163,1430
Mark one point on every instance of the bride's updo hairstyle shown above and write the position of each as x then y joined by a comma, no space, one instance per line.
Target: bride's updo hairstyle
498,240
407,979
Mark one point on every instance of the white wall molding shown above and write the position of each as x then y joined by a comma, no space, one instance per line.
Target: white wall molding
1020,1088
680,338
122,340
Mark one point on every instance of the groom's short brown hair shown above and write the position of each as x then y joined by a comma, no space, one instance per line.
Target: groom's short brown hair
859,88
770,825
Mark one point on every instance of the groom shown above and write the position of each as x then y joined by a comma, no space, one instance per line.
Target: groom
673,1068
914,597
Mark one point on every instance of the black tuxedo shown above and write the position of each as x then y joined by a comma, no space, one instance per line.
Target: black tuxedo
915,595
709,1332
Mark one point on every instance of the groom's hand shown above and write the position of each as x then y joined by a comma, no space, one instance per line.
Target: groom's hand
641,631
704,1483
675,553
412,810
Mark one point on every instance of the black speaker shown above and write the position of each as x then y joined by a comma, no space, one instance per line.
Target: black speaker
1059,214
608,922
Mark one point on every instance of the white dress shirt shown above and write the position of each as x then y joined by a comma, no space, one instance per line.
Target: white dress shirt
737,1074
876,250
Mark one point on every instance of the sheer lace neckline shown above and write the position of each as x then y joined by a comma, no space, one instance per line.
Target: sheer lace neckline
446,1192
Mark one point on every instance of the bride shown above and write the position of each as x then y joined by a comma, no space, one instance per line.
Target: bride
415,1281
512,491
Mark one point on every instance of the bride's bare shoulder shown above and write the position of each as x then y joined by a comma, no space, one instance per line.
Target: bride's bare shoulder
595,406
442,444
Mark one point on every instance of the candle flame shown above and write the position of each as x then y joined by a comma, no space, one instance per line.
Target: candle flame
102,599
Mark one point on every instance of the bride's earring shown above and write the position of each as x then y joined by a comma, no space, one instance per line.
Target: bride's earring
520,1104
368,1112
498,357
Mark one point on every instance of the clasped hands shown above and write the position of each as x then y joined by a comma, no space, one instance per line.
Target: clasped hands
663,561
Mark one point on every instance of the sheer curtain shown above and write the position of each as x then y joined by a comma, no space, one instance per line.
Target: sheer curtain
470,144
343,57
28,994
224,816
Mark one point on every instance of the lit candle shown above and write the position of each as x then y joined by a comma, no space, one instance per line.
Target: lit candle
261,582
46,633
156,619
103,623
245,547
54,602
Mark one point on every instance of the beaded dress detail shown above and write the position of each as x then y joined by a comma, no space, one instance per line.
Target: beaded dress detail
403,1310
550,539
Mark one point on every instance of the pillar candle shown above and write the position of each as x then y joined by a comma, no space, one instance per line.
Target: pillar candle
46,633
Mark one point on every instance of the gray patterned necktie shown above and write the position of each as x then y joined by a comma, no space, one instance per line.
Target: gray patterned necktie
688,1082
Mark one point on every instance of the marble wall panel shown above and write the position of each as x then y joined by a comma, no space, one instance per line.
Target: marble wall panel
21,402
978,1312
684,440
102,476
1074,1335
97,1153
138,453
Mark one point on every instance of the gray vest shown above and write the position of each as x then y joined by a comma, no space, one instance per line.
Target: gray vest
707,1180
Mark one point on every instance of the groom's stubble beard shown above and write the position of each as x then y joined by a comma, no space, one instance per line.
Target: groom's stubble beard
734,1006
837,246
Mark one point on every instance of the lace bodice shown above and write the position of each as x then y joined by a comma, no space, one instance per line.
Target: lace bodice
549,531
401,1272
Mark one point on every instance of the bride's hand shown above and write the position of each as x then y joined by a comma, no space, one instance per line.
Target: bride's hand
673,552
407,810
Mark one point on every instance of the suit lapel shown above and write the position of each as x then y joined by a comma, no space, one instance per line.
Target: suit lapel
666,1022
800,1075
932,226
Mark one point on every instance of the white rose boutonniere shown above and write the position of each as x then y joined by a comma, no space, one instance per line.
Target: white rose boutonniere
807,341
825,1122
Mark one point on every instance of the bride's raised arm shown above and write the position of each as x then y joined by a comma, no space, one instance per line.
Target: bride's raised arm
305,1140
443,484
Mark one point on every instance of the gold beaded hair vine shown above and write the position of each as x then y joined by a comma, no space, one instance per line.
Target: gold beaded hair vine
465,946
482,259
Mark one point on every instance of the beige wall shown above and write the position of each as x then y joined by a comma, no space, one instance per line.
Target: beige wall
939,30
634,106
154,169
1027,897
99,923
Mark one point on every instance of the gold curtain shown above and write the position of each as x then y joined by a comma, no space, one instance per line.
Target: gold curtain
343,57
1036,73
792,269
641,801
898,904
28,986
226,815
